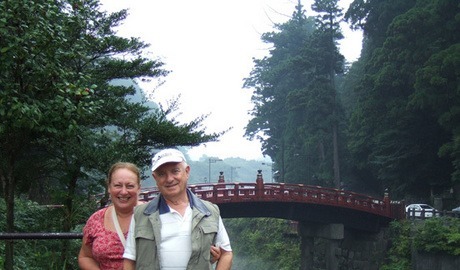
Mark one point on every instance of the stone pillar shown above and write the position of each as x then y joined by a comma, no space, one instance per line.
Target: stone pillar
437,203
333,233
306,253
331,256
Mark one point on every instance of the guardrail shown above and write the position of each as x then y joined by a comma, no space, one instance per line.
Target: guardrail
40,236
424,214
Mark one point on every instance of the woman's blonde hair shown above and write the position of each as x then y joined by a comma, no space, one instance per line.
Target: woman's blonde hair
124,165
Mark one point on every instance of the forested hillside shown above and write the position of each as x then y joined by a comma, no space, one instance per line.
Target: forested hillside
388,121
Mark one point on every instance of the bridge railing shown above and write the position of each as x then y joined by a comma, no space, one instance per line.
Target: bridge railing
283,192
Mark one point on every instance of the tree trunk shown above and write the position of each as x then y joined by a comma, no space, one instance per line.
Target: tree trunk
335,140
68,222
336,165
9,198
279,158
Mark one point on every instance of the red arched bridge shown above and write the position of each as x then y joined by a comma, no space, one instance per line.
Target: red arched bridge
296,202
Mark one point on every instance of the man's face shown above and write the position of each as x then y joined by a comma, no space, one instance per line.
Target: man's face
172,179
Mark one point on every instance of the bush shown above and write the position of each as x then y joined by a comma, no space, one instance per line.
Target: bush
434,235
263,243
399,255
41,254
438,235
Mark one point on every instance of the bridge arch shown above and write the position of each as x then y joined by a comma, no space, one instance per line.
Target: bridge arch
297,202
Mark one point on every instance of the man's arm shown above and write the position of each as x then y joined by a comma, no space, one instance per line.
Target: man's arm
225,261
129,265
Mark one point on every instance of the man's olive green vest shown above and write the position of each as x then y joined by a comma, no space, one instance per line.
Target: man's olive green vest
205,225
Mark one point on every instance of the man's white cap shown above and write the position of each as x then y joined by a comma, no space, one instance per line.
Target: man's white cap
166,156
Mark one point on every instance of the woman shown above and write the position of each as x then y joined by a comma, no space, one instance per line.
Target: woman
102,247
105,231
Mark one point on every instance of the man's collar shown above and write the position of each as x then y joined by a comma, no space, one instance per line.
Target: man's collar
163,205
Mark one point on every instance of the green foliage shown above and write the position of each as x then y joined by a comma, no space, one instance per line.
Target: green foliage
373,17
63,122
296,114
438,235
40,254
276,80
263,243
387,147
434,236
437,88
399,255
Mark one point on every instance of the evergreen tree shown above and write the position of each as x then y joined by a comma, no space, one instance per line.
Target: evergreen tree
394,142
62,120
295,97
272,79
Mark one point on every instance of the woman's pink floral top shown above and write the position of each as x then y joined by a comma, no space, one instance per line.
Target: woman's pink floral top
106,245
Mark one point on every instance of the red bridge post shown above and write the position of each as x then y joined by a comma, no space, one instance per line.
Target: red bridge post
259,184
387,202
221,178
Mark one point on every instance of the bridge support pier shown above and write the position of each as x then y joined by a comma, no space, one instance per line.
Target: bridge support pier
333,233
335,246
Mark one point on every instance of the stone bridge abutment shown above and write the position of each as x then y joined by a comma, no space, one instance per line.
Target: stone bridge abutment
333,247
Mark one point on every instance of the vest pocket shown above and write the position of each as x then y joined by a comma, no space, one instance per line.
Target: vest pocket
209,232
145,232
209,228
146,255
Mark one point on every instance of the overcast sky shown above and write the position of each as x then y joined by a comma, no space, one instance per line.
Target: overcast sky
208,45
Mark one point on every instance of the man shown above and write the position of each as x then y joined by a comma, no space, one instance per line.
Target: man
176,229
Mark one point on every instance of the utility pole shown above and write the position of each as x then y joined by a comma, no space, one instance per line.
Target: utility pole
271,169
231,172
212,160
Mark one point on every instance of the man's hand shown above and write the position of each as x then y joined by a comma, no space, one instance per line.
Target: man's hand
215,254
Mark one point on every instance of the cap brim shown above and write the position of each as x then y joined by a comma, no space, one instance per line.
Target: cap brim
170,159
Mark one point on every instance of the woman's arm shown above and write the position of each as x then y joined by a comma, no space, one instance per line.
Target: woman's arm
85,257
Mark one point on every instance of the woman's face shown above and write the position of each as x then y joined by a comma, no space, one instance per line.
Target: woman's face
124,189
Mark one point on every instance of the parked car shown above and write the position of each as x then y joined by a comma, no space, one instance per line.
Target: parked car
456,210
421,210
